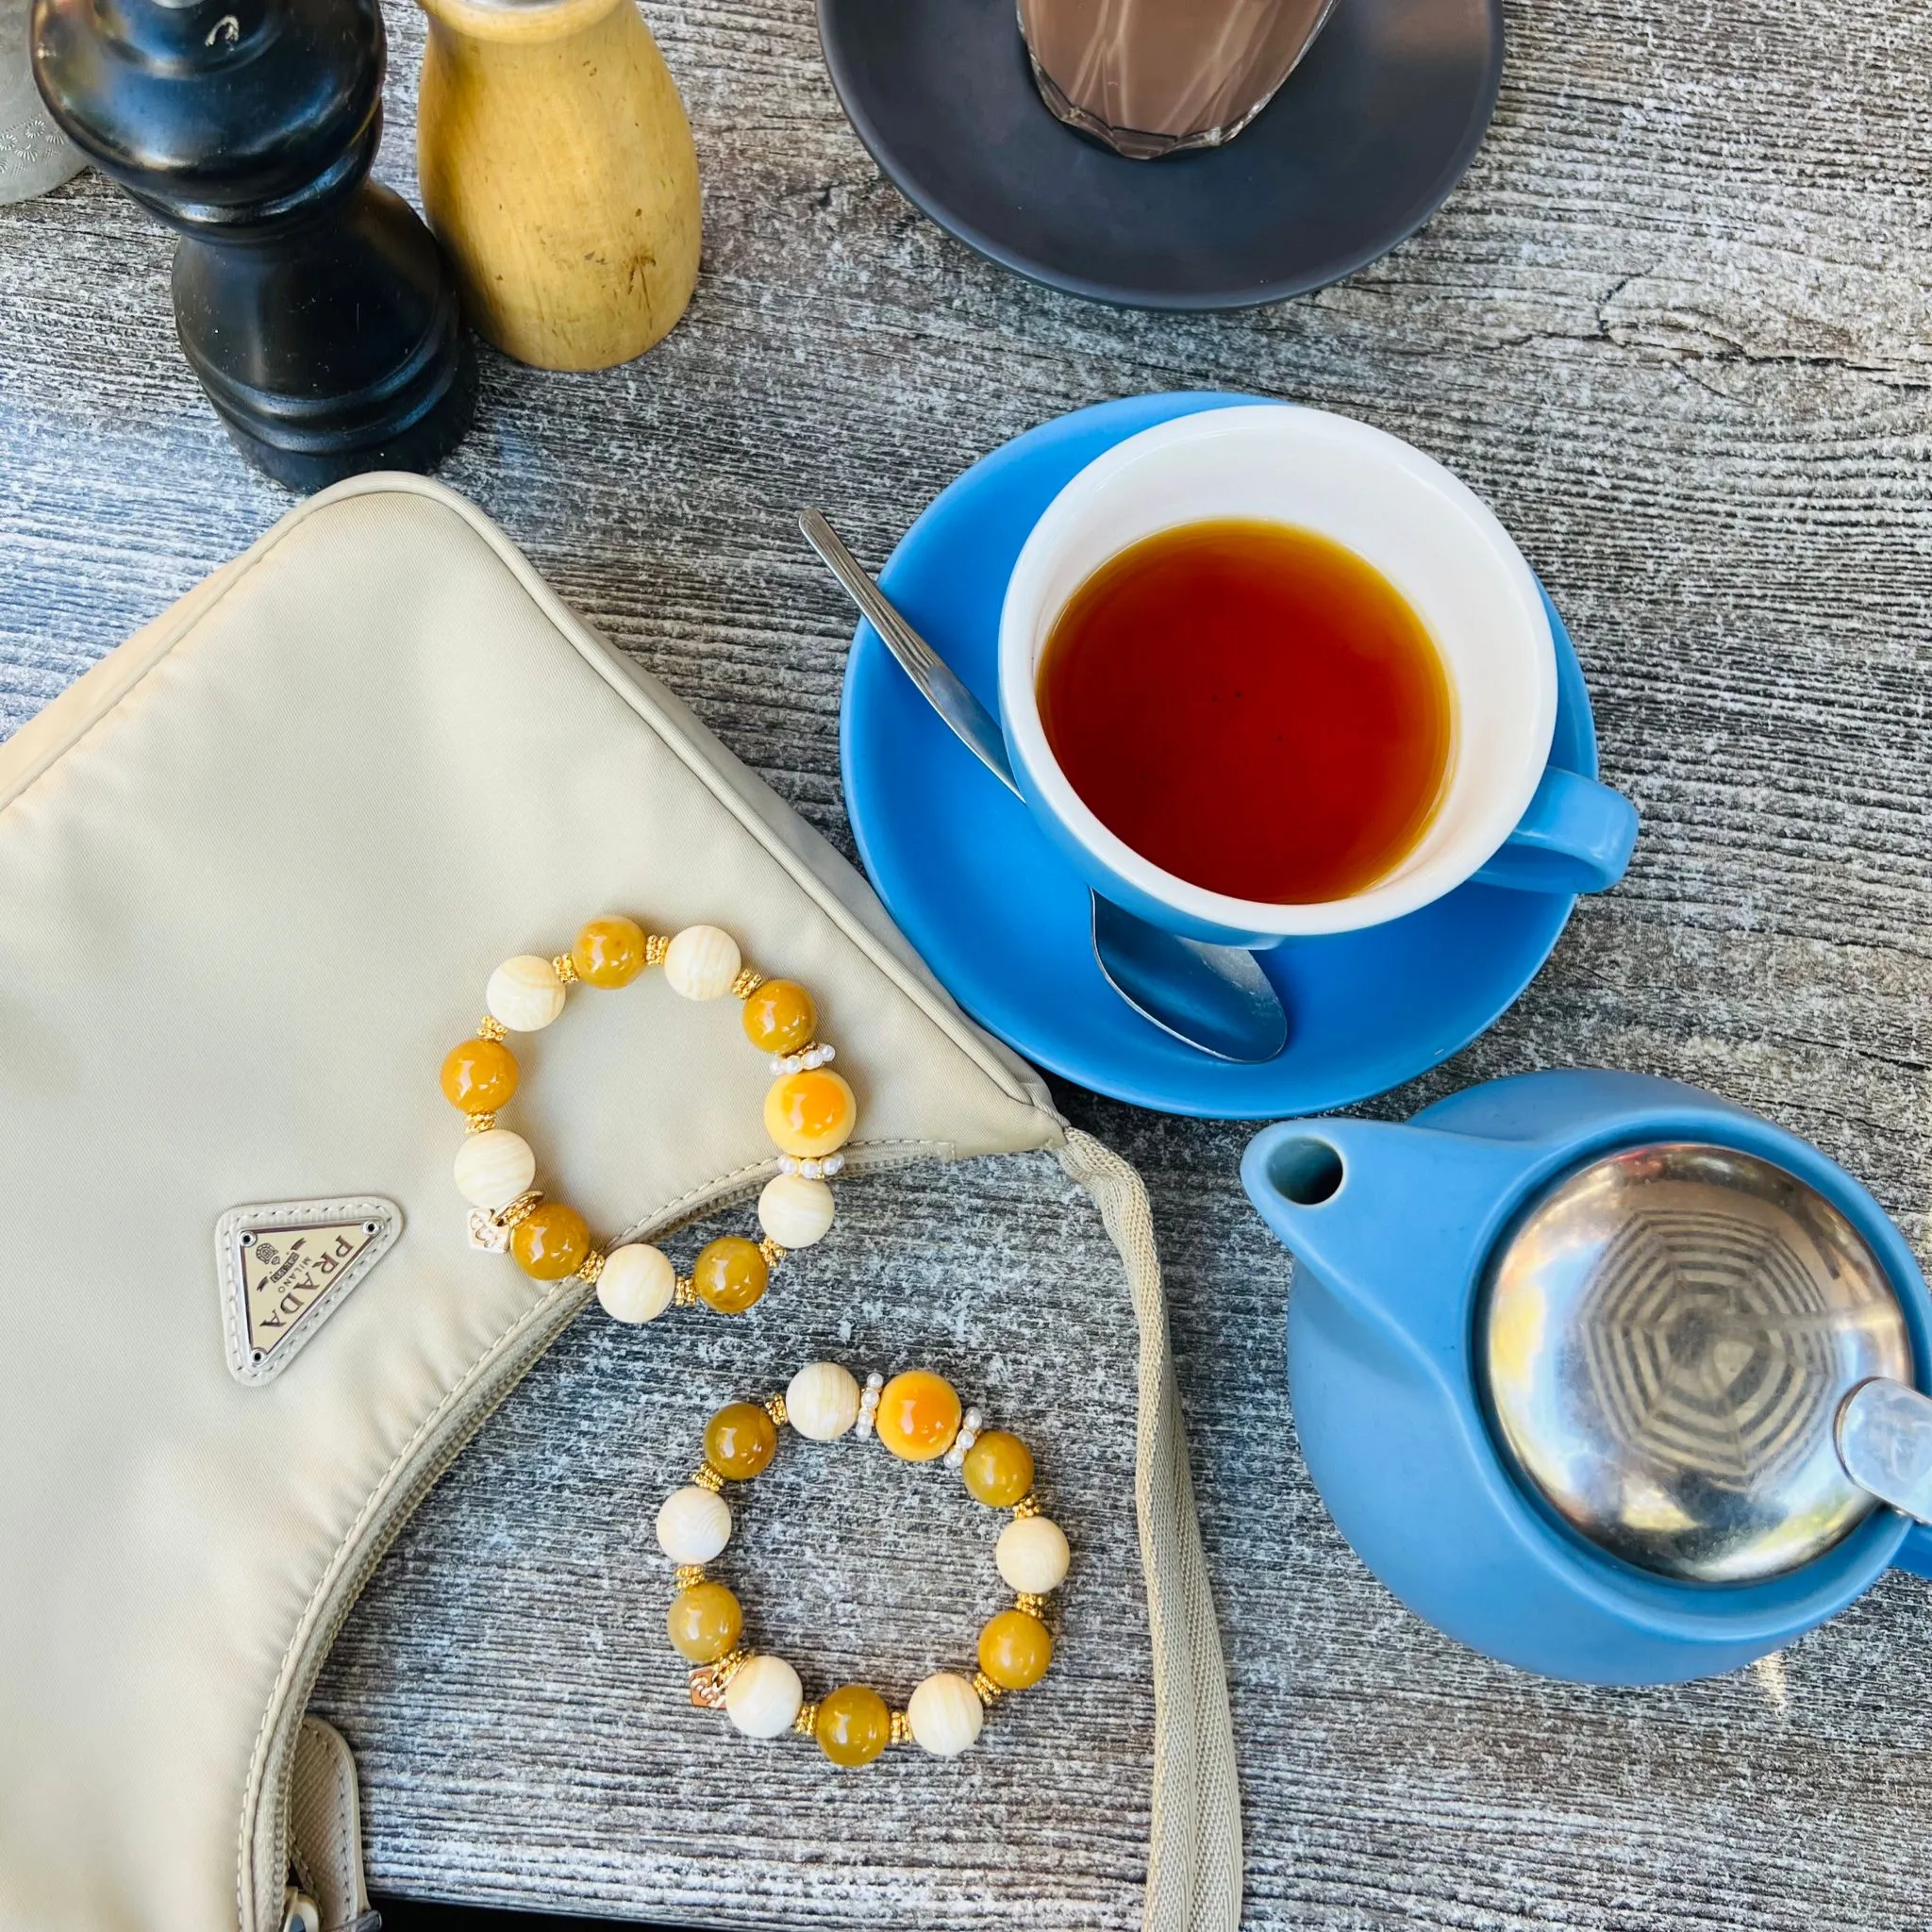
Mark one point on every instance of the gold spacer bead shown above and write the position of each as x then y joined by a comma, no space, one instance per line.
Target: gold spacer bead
656,946
685,1295
490,1027
902,1728
989,1692
747,983
478,1122
566,968
593,1266
690,1575
705,1477
729,1667
807,1722
519,1211
776,1409
772,1253
1031,1602
1027,1506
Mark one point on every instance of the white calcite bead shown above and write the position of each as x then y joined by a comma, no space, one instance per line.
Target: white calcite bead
700,962
764,1697
795,1212
821,1401
493,1168
525,993
1032,1554
638,1282
944,1714
693,1525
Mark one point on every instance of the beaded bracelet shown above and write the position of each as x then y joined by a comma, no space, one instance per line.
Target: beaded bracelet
810,1113
917,1416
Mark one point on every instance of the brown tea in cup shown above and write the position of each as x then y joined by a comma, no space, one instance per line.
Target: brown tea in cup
1252,708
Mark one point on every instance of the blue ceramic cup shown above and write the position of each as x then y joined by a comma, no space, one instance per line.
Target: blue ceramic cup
1506,816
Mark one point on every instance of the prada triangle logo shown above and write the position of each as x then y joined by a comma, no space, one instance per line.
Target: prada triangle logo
285,1266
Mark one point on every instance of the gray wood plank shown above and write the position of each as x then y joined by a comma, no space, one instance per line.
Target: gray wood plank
1675,326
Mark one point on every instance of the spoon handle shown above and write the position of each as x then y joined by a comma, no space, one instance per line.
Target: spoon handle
971,722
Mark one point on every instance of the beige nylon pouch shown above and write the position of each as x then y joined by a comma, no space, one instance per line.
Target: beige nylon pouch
255,869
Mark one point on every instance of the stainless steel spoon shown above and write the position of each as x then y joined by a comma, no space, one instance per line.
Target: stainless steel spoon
1213,998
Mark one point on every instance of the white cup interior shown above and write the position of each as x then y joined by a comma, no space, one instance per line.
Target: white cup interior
1399,511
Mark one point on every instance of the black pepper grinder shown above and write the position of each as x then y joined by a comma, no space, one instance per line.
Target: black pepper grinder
312,303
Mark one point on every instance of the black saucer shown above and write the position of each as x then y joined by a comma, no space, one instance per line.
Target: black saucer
1357,151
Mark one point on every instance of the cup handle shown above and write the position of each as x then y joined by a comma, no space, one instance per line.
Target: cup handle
1915,1553
1575,837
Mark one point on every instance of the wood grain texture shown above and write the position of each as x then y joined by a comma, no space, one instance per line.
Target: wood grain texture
1675,326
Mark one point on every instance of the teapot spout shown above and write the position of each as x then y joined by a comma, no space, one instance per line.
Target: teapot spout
1394,1220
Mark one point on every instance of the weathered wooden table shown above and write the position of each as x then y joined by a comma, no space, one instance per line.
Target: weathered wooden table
1675,326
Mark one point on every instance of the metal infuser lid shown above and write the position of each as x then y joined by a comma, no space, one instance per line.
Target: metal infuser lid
1689,1353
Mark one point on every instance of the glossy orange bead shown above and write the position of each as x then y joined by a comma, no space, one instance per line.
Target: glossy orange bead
479,1075
779,1017
550,1241
854,1725
1015,1650
609,952
730,1273
704,1622
740,1440
998,1469
917,1415
810,1114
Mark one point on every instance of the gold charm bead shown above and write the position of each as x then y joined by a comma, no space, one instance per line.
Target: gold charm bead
854,1725
551,1242
740,1440
610,952
1027,1506
1034,1605
806,1723
779,1017
730,1274
704,1623
810,1112
689,1575
998,1469
704,1477
774,1407
902,1728
985,1689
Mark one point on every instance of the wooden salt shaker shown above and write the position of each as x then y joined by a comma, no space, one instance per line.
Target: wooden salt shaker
558,170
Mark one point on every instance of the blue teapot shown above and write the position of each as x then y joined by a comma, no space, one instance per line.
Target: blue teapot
1601,1375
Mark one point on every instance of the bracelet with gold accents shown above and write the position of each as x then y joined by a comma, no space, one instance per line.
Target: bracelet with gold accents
917,1416
810,1113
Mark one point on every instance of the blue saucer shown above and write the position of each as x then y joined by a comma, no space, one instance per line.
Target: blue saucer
1002,919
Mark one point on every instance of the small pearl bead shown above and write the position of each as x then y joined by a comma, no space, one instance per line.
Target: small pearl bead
822,1402
831,1164
971,1421
875,1380
493,1168
764,1697
694,1526
796,1211
862,1427
944,1714
638,1282
700,962
811,1170
525,993
1032,1554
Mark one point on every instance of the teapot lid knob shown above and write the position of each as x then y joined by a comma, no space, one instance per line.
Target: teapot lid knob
1669,1338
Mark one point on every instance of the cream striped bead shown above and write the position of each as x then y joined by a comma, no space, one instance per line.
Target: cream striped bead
796,1211
525,993
700,962
493,1168
638,1282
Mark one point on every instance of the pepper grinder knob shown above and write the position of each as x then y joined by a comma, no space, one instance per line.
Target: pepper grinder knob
312,302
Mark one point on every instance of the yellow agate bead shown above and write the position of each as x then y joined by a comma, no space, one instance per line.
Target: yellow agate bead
704,1623
810,1114
480,1076
853,1724
550,1241
917,1415
609,952
1015,1650
730,1274
998,1469
779,1016
740,1440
